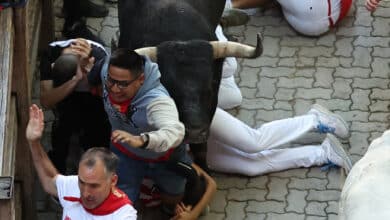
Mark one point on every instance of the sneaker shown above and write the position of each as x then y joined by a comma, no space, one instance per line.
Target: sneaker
233,17
329,122
335,153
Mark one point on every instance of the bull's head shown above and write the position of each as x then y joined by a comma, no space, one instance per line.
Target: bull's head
191,72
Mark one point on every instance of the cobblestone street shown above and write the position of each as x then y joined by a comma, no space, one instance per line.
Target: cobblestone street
347,70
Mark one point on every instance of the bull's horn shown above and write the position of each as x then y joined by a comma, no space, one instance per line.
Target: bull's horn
151,52
234,49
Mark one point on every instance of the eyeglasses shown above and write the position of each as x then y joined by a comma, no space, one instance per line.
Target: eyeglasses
121,84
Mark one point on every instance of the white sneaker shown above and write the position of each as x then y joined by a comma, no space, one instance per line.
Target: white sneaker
335,152
329,122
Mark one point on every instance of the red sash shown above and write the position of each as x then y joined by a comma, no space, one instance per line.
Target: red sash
115,200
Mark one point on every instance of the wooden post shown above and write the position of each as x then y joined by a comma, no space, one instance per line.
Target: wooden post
21,86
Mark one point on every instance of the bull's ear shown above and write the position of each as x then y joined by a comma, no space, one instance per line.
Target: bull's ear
234,49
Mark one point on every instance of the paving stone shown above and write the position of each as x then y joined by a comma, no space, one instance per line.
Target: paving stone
249,93
249,78
296,201
305,62
316,173
370,83
308,217
368,126
307,71
286,51
279,31
257,103
316,208
327,62
323,196
335,179
333,207
235,210
276,72
295,82
344,47
231,182
383,94
323,77
378,25
354,31
352,72
261,62
246,194
298,41
271,46
219,202
358,142
381,52
360,99
307,183
272,115
266,87
316,51
285,94
379,105
336,104
379,117
314,93
283,105
255,216
286,216
326,40
264,207
301,106
277,189
259,182
342,88
288,62
365,41
379,67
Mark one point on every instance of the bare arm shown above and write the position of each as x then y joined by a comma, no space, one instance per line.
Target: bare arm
44,167
184,212
50,96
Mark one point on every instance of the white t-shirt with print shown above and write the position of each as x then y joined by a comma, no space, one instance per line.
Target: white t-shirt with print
68,186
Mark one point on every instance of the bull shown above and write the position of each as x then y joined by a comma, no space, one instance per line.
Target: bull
366,192
180,37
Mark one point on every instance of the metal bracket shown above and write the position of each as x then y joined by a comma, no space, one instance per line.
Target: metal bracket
6,187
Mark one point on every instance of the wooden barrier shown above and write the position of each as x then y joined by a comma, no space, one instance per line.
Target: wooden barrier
19,43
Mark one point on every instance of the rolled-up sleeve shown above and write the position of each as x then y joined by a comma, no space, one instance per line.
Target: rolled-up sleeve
162,114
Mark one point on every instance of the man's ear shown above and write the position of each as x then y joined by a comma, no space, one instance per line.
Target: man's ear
114,180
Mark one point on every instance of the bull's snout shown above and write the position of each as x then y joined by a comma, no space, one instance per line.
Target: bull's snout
197,136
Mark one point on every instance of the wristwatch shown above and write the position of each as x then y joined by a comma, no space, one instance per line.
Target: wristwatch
145,138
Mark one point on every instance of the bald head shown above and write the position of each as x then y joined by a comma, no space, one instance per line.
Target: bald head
91,157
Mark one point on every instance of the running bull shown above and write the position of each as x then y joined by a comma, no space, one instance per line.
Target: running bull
179,36
366,192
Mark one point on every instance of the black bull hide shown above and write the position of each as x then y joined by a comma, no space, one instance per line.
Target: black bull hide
181,31
188,70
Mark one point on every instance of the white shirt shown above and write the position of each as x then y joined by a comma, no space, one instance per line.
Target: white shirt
68,186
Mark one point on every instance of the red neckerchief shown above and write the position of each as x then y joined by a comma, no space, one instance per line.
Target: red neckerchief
120,106
115,200
345,6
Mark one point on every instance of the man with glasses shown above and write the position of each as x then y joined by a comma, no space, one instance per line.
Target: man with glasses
146,132
65,88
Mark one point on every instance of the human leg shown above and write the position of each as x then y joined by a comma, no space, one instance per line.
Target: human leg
234,133
130,174
223,158
170,184
60,139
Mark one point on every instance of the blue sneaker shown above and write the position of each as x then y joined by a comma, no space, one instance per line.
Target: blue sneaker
329,122
335,153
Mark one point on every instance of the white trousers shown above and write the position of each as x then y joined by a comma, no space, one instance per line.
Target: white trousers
229,95
311,17
234,147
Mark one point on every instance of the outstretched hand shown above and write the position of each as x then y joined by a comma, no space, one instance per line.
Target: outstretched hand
125,137
35,124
